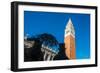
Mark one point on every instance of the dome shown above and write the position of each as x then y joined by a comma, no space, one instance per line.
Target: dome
49,41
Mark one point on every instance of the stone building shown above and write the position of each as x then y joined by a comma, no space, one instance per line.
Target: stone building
42,48
49,53
49,46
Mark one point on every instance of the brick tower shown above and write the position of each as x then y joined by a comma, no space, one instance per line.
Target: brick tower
69,40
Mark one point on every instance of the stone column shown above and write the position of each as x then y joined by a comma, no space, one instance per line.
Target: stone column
49,56
44,55
52,56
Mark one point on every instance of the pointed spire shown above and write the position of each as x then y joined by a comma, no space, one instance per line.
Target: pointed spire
69,24
69,28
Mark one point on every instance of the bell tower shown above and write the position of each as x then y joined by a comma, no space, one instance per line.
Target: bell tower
69,40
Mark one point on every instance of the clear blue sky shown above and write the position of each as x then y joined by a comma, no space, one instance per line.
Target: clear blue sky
54,23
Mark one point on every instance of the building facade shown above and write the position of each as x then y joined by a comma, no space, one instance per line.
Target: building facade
48,53
69,40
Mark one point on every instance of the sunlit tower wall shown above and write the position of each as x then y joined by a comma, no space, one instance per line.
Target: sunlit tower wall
69,40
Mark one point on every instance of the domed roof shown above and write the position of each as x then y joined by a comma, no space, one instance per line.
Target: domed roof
49,41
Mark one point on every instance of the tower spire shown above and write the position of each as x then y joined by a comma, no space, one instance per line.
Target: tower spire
69,28
69,24
70,40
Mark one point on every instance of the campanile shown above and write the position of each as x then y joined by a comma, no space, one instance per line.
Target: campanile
69,40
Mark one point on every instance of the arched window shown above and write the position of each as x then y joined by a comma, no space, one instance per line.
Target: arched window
67,31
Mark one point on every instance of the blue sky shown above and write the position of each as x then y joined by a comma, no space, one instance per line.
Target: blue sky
54,23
